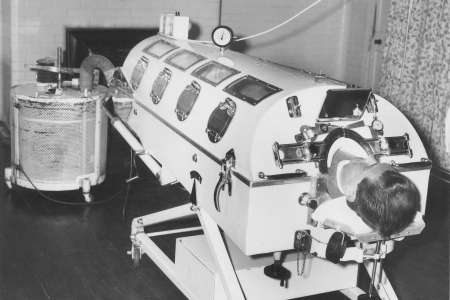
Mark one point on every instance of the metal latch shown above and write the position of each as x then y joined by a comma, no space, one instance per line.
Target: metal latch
160,84
224,177
294,108
220,119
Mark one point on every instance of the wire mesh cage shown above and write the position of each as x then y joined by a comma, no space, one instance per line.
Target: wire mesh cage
57,141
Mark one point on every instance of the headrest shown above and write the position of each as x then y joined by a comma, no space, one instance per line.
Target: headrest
336,214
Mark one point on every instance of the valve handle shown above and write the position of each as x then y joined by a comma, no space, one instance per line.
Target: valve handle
278,272
224,177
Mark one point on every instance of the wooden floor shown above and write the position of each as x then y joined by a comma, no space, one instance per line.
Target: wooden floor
51,251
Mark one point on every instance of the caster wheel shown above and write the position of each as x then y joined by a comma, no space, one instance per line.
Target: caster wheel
136,256
87,197
8,177
86,189
8,183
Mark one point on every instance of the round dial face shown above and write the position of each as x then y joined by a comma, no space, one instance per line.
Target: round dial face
377,125
222,36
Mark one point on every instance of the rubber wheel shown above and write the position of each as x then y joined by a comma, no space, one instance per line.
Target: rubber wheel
136,256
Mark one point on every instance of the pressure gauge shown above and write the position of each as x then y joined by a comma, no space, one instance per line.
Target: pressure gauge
377,125
222,36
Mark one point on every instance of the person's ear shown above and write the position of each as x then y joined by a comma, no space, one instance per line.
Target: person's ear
351,194
349,189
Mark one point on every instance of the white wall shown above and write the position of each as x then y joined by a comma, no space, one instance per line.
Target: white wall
38,27
5,58
331,38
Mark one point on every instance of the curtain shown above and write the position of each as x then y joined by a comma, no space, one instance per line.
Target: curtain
415,70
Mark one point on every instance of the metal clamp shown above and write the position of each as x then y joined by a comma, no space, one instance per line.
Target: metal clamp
224,177
291,153
395,145
423,164
293,106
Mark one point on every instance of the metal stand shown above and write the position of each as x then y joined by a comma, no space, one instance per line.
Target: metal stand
8,177
142,243
86,190
378,280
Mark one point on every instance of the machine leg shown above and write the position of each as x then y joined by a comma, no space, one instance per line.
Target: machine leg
142,243
8,177
220,255
138,224
383,286
136,254
174,213
378,282
86,189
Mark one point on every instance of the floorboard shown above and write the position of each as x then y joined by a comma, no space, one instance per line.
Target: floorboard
51,251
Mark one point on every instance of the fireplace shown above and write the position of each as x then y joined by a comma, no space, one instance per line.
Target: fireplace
113,43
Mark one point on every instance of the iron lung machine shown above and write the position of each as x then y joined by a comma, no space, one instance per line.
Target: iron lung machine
250,139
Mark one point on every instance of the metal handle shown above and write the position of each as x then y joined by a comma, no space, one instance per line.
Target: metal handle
291,153
423,164
219,186
224,177
276,155
298,174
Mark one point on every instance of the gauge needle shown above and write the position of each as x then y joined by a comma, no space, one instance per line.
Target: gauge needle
221,37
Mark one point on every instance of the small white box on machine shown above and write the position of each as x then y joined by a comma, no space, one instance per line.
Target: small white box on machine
174,25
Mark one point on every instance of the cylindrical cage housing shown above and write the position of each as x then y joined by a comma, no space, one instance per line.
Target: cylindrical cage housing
57,140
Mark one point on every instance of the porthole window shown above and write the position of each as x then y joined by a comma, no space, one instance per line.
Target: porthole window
138,72
220,119
187,100
160,84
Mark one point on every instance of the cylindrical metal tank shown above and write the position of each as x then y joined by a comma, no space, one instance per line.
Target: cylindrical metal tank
58,141
257,133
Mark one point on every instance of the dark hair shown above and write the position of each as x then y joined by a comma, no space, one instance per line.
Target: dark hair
387,203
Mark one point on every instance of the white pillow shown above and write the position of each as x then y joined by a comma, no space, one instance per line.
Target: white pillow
335,213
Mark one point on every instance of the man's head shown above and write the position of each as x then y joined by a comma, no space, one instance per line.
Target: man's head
386,199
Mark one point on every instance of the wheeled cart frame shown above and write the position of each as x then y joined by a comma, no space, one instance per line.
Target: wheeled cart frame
212,258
